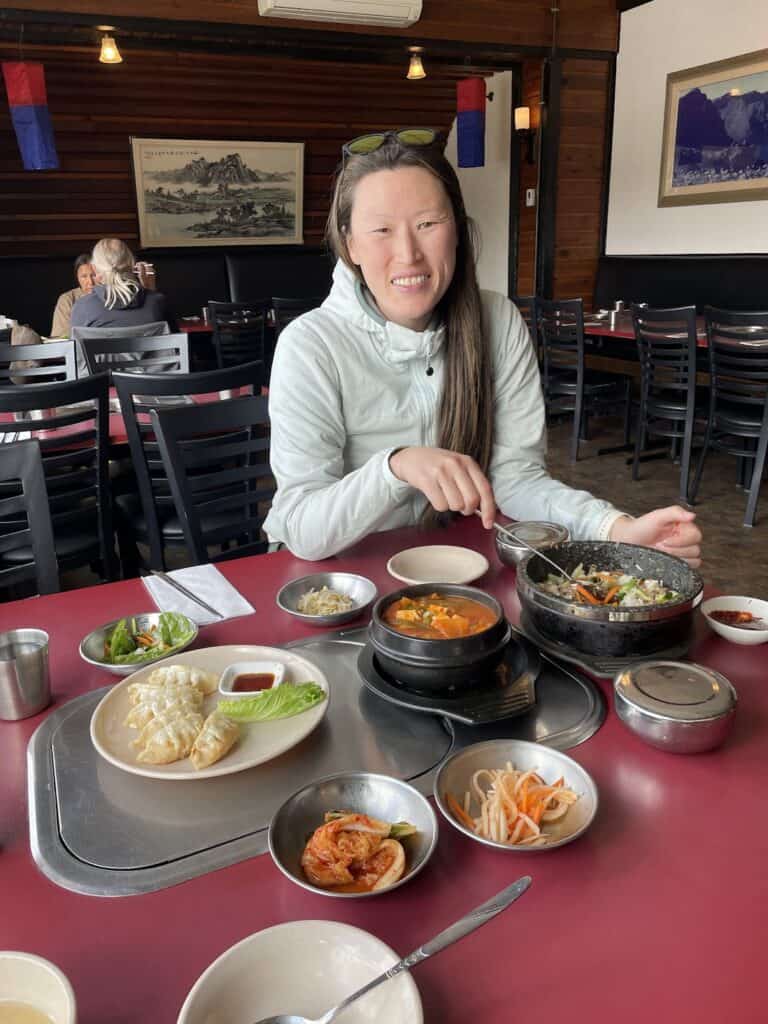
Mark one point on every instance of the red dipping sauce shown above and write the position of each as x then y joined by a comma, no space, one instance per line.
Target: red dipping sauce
252,682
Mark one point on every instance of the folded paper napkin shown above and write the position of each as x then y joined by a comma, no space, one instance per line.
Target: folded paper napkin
206,582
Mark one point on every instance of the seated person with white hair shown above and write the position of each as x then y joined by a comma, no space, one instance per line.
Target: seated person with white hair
118,299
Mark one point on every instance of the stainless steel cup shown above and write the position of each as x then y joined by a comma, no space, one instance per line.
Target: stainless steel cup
612,319
25,686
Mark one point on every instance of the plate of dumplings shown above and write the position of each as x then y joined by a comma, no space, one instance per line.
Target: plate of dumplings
162,722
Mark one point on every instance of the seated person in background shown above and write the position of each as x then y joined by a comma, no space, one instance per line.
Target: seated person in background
118,299
63,311
410,392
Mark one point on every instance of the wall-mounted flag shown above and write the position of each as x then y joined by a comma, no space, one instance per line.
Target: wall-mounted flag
25,85
470,122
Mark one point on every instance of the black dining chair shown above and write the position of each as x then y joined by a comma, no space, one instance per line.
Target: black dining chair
666,346
529,310
167,353
219,473
240,332
568,384
738,397
286,310
80,334
6,333
71,422
25,520
38,364
148,515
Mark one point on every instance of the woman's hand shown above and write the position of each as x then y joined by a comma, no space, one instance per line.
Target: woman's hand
669,529
447,479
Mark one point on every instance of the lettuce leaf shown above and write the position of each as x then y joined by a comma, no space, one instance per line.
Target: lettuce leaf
174,628
121,641
279,702
173,631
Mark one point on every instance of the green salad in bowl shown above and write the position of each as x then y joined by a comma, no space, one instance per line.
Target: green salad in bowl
126,644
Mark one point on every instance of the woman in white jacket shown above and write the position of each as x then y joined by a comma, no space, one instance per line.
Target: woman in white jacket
409,392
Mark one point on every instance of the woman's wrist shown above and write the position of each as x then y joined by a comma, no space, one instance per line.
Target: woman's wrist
618,529
392,461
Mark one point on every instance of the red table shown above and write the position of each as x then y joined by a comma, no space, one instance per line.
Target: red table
625,330
656,914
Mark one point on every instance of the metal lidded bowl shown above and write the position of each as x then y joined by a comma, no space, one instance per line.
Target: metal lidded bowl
676,706
539,535
439,664
378,796
456,773
92,645
362,591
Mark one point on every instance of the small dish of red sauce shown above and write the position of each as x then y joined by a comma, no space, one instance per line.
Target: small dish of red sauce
245,678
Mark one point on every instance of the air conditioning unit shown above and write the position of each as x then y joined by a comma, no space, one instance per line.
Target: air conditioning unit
387,13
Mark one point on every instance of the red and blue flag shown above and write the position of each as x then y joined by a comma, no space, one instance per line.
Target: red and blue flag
25,85
470,122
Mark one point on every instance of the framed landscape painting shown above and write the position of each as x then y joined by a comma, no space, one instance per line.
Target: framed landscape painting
715,147
191,192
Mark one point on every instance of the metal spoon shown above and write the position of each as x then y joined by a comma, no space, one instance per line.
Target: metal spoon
474,919
511,535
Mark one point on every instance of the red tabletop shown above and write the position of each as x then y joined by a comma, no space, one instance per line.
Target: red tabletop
656,914
625,330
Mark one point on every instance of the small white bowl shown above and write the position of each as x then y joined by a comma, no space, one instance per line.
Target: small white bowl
745,637
239,668
26,978
438,563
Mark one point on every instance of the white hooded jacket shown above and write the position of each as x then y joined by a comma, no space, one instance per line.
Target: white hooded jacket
348,387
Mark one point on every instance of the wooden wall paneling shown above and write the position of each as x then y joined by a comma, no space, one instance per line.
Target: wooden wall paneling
529,178
584,24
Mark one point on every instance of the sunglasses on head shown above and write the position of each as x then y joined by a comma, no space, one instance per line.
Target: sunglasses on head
365,144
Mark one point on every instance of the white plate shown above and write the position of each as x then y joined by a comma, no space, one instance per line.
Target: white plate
744,637
302,967
438,563
259,741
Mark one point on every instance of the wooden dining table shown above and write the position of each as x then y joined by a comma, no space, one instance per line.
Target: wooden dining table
657,913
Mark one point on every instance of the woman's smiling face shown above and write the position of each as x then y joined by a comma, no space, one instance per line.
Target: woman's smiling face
402,236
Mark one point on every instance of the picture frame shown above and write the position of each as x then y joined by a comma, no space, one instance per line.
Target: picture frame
192,192
715,140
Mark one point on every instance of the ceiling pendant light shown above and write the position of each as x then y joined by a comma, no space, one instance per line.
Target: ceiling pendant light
415,67
109,51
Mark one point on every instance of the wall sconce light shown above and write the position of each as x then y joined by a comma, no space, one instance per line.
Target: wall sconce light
415,67
109,52
525,132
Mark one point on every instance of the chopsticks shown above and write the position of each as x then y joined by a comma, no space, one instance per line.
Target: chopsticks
187,593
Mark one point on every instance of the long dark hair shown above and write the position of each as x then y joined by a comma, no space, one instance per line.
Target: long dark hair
465,417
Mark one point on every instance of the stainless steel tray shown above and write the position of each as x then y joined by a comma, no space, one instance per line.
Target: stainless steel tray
97,830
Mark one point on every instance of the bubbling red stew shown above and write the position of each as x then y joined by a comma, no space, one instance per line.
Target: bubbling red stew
439,616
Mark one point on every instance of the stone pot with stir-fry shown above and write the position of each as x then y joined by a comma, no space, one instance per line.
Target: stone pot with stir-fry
623,600
434,636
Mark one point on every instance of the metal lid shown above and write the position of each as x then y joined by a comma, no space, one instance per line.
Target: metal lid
538,534
676,690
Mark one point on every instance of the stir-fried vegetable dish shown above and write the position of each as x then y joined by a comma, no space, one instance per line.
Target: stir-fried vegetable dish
438,617
609,588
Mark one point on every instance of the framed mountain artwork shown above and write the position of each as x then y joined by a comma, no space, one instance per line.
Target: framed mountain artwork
715,146
195,193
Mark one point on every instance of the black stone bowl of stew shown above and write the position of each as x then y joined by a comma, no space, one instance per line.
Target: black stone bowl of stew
427,656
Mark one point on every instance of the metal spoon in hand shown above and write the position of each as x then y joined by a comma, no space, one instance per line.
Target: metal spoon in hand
474,919
511,535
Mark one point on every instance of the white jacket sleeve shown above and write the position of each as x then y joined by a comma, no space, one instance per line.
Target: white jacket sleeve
318,510
521,484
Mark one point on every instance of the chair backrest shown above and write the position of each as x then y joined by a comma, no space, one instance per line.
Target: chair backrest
79,334
139,394
239,331
168,353
738,357
666,346
286,310
71,422
219,472
37,364
5,335
24,503
528,306
561,336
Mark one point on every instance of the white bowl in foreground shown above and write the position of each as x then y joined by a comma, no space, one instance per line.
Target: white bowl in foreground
438,563
737,635
302,967
31,980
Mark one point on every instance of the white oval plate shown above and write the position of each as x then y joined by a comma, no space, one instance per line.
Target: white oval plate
438,563
259,741
302,967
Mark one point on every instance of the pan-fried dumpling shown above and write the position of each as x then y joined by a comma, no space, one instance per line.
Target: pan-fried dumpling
206,682
168,737
184,699
139,692
218,735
